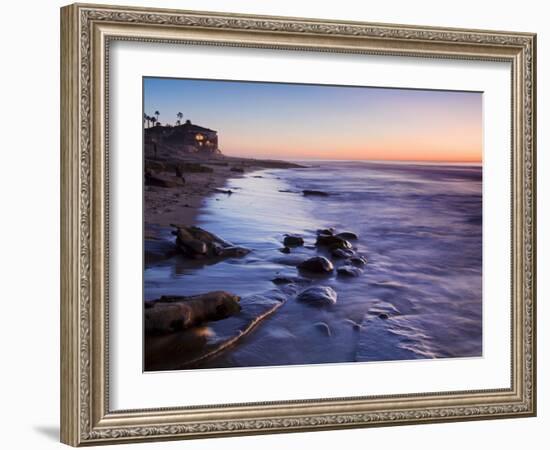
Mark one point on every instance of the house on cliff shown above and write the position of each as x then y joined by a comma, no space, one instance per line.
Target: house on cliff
197,138
188,138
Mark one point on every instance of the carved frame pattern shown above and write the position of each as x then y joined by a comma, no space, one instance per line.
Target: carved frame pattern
86,418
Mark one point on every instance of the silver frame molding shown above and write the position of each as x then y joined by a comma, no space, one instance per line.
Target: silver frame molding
86,32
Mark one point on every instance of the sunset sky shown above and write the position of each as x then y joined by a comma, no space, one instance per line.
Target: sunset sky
298,121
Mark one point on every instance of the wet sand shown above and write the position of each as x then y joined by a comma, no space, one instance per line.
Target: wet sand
181,204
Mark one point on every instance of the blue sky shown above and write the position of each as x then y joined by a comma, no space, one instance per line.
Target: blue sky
280,120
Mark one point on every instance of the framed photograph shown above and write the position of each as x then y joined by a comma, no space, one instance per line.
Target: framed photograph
276,224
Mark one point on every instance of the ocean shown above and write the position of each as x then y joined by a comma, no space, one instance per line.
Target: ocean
420,295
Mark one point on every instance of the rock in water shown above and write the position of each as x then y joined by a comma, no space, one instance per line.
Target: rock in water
349,271
316,193
318,296
187,348
284,250
195,242
325,231
343,244
348,235
358,261
341,253
230,252
196,247
293,240
333,242
175,313
317,264
382,308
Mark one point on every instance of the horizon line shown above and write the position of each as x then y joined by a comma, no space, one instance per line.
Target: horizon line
427,161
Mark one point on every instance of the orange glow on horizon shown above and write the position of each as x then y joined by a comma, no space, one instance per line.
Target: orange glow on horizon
438,142
389,151
370,155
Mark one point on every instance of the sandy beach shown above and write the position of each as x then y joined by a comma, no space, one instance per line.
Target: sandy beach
200,176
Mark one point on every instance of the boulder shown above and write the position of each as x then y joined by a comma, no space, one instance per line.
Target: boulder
203,235
333,242
325,231
194,242
318,296
231,251
341,253
317,264
341,243
197,247
170,314
349,271
358,261
293,240
348,235
190,347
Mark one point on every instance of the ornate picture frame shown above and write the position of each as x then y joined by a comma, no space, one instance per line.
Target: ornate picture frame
87,31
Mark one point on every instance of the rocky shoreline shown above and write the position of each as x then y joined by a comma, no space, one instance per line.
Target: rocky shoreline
182,331
175,329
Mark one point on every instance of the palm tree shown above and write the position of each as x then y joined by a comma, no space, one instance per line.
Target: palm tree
179,116
157,114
